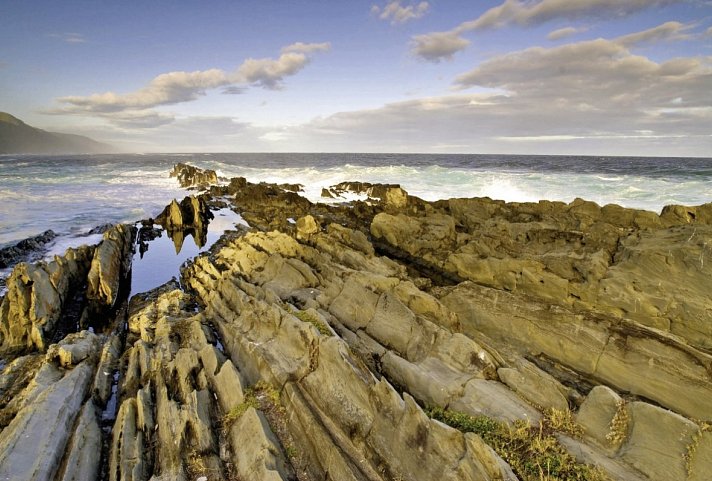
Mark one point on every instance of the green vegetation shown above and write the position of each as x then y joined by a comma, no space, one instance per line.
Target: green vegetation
305,316
618,429
260,396
703,427
236,412
533,452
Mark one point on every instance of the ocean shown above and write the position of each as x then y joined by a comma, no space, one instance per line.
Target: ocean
72,194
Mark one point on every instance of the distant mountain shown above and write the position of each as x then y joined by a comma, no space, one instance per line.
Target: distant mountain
16,137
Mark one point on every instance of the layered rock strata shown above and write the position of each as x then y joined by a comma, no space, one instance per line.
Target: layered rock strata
319,343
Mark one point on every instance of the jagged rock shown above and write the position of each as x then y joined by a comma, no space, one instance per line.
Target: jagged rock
9,256
281,356
260,458
82,460
109,267
306,227
191,216
33,444
73,349
189,176
36,298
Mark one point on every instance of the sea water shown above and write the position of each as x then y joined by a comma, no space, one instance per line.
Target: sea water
72,194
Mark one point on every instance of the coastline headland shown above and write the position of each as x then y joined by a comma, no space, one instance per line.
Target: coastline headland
388,338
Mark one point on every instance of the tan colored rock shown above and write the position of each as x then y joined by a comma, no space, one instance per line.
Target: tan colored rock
82,458
35,298
306,227
33,444
625,355
534,385
74,348
658,442
111,263
494,400
596,414
257,451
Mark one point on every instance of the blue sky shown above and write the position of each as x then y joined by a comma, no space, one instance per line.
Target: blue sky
626,77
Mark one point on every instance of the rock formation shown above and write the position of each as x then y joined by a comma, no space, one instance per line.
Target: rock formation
391,340
11,255
189,176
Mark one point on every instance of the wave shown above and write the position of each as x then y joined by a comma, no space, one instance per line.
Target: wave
70,193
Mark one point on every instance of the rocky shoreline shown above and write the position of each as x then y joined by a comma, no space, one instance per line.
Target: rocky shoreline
387,339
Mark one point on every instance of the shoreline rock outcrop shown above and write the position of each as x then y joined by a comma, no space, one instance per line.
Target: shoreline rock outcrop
394,339
189,176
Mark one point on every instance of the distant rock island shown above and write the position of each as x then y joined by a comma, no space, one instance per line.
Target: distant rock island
16,137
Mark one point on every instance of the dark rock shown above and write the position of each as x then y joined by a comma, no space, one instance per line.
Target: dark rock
9,256
189,176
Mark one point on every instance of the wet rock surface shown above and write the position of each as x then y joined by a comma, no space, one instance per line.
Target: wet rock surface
391,340
190,176
26,249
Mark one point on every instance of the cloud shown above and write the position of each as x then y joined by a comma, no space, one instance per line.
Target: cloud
397,13
667,31
307,48
69,37
178,87
593,96
165,89
524,13
533,13
564,33
438,46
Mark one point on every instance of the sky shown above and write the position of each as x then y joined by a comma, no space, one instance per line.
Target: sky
598,77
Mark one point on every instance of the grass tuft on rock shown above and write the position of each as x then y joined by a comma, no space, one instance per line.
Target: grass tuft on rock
533,452
305,316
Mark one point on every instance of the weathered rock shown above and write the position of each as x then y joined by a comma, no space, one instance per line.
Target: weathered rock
278,360
658,442
189,176
190,216
82,462
37,295
33,444
73,349
9,256
596,415
109,267
261,457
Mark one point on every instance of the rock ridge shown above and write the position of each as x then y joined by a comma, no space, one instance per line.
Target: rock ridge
388,339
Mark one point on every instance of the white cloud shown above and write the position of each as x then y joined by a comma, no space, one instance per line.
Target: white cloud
592,96
666,31
531,13
69,37
269,73
178,87
564,33
398,13
165,89
522,13
307,48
